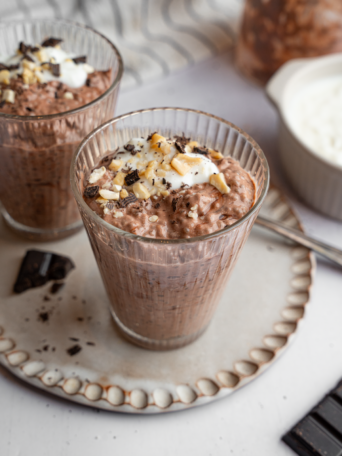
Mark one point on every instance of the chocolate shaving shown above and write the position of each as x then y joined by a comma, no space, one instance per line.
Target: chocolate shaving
74,350
27,57
23,48
131,178
131,198
110,206
168,185
55,69
51,42
129,147
81,59
149,137
182,139
201,150
174,204
91,192
180,147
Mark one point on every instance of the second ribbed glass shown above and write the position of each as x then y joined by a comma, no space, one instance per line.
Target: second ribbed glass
163,293
35,192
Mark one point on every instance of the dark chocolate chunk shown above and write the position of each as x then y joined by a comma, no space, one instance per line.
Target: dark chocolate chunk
164,181
174,204
39,267
88,82
51,42
320,431
201,150
129,147
131,198
23,48
81,59
55,69
27,57
74,350
180,147
28,109
91,192
46,348
131,178
149,137
56,287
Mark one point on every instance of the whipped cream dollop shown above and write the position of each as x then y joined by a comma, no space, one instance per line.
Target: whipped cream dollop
155,166
45,63
147,155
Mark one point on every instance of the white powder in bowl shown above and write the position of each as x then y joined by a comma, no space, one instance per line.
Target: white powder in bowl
315,115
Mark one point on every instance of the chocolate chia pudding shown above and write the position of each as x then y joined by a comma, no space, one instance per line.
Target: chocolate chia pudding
45,92
176,200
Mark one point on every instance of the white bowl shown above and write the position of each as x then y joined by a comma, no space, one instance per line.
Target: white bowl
317,180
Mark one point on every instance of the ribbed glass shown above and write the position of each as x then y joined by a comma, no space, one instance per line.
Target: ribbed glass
163,293
36,152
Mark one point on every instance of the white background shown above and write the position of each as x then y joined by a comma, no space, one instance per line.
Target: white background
249,422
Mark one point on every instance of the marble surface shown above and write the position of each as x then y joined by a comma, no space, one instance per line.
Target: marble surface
252,420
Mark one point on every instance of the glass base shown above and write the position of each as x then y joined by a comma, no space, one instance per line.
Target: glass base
153,344
39,235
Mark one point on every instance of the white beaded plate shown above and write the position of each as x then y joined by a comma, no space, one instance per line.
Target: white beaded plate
257,318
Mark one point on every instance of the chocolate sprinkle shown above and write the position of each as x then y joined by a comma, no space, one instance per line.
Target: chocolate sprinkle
131,178
74,350
55,69
201,150
51,42
131,198
55,287
81,59
91,192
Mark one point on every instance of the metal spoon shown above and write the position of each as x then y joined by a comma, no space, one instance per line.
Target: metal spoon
325,250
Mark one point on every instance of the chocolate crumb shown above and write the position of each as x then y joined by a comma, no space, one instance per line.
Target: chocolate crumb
196,173
187,204
56,287
91,343
129,147
91,192
46,347
43,317
74,339
81,59
131,178
46,298
51,42
164,181
182,139
74,350
168,185
28,109
80,319
88,82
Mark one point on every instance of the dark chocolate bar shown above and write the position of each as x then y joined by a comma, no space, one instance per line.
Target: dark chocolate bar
319,433
38,267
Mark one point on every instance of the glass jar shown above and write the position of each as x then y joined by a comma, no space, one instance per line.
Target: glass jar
275,31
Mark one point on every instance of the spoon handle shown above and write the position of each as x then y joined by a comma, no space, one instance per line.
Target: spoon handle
325,250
